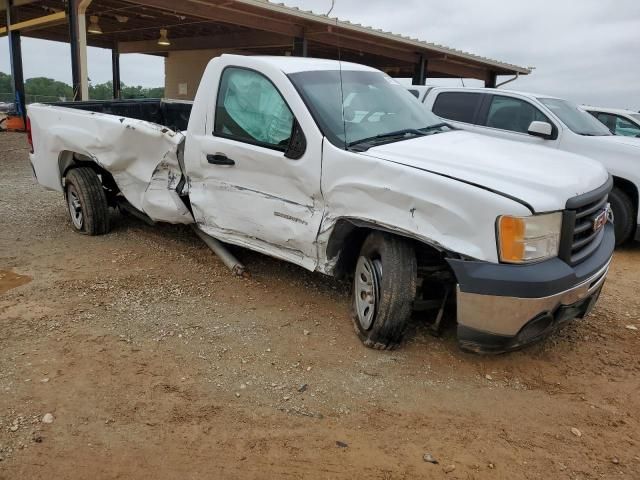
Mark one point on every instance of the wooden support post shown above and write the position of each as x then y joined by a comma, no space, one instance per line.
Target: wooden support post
72,14
78,42
492,80
115,71
300,47
420,72
15,52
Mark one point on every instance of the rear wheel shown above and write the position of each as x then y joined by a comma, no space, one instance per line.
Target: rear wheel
86,202
623,215
384,288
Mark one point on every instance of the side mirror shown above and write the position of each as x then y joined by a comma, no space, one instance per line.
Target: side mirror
540,129
297,143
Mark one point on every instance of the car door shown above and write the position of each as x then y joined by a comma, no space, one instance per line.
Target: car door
243,188
509,117
459,108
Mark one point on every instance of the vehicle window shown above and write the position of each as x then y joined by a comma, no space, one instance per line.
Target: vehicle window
513,114
577,120
460,106
626,128
607,120
250,109
351,106
636,116
415,93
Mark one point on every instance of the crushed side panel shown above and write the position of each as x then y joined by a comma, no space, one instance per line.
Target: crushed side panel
142,157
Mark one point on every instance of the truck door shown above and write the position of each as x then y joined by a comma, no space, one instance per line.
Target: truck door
244,186
509,117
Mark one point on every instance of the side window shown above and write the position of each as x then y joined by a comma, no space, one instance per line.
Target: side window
513,114
250,109
626,128
608,120
415,93
459,106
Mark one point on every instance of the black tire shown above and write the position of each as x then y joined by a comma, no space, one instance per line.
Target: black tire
623,215
86,202
391,261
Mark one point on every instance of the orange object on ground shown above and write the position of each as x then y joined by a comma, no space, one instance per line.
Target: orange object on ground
14,123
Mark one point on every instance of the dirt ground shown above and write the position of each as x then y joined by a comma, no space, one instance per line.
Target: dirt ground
153,361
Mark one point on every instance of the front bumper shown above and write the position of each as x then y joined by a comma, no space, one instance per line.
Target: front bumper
504,307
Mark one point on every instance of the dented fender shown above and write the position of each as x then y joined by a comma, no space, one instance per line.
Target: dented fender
437,210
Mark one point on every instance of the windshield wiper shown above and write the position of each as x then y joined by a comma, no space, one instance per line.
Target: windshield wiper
436,126
418,132
383,136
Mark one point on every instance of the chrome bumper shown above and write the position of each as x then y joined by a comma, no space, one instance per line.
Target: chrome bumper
506,316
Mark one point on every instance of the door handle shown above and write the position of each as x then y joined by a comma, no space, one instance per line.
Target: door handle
220,159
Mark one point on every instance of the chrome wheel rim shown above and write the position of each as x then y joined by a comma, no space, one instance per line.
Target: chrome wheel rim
75,207
366,290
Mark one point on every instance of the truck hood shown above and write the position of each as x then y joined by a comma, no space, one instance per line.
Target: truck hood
539,177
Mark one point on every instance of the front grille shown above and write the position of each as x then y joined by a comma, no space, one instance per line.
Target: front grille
580,234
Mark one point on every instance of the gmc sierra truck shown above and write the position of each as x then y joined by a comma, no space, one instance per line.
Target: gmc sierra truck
337,168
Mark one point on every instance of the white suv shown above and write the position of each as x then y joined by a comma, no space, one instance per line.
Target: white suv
618,121
549,121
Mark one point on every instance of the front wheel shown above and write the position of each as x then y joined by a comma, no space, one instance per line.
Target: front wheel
623,215
384,288
86,202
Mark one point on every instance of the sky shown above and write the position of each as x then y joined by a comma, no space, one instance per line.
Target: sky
587,51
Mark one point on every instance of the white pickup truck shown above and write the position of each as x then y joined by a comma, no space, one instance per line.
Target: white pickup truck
552,122
337,168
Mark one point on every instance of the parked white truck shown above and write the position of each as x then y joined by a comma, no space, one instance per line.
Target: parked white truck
552,122
619,122
337,168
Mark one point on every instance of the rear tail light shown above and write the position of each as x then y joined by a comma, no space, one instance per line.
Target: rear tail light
29,136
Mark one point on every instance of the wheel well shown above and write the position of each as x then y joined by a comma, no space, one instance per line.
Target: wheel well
628,188
348,236
69,160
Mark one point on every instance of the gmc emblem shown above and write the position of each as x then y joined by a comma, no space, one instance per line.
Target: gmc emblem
600,220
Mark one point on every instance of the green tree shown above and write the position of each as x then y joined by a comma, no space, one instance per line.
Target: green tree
5,83
101,91
46,89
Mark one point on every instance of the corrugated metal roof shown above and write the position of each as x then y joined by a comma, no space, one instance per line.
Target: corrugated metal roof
409,41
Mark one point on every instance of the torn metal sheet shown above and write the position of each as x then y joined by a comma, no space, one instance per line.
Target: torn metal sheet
141,156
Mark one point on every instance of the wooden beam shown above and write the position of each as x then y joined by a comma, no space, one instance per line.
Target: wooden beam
332,39
36,23
15,3
227,40
456,69
219,12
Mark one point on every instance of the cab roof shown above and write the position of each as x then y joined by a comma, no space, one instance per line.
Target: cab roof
305,64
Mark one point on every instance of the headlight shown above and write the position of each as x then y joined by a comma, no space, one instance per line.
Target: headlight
527,239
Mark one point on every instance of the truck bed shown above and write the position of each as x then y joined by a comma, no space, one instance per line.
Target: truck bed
173,114
138,142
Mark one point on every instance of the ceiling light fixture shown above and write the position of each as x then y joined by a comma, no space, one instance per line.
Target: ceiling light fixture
163,40
94,27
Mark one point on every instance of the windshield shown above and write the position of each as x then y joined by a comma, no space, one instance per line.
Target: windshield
374,106
577,120
635,116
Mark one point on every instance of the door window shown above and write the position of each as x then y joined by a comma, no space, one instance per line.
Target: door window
459,106
626,128
513,114
250,109
608,120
